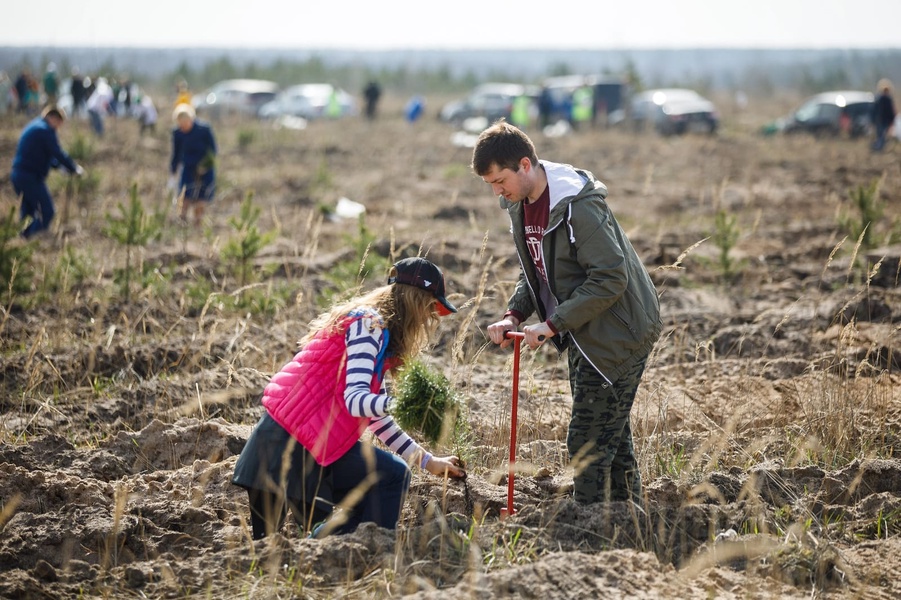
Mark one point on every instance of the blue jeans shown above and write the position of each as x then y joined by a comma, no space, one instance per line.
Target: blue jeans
881,133
309,491
36,202
96,122
384,475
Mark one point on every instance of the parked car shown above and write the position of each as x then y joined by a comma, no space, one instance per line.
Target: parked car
309,101
674,111
488,100
235,97
609,95
831,113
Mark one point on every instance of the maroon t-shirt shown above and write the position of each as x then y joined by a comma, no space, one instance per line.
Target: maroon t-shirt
535,218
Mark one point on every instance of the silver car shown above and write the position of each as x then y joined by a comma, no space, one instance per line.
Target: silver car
674,111
235,97
310,101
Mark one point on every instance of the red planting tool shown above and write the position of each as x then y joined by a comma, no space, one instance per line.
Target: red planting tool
517,337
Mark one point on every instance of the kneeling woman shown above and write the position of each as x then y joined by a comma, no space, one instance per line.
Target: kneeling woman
305,455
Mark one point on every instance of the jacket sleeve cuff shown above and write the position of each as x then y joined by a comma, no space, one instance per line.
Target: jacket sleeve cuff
516,315
425,460
555,324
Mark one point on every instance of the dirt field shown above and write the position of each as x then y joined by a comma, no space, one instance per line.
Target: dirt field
766,424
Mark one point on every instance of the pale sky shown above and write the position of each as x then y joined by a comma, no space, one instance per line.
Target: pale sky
453,24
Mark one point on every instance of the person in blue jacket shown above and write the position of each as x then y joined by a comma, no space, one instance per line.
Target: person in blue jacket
37,152
194,150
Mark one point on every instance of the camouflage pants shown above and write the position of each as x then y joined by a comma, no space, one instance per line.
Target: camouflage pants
600,435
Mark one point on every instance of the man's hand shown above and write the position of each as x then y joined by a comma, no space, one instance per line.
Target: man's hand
537,334
445,466
497,331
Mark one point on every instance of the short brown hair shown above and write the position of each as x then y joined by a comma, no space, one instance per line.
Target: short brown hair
504,145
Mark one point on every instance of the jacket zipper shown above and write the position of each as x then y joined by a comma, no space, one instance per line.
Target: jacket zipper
535,297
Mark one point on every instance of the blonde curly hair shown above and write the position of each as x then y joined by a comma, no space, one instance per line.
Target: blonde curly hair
408,312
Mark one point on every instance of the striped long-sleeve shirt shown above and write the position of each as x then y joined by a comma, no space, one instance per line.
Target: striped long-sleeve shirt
364,338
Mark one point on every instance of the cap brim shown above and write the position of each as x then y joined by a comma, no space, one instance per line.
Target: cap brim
444,308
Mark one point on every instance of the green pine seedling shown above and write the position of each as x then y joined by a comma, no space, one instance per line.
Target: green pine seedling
725,235
870,209
241,250
132,229
425,402
14,257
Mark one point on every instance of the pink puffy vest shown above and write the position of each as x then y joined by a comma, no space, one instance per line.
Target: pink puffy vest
306,396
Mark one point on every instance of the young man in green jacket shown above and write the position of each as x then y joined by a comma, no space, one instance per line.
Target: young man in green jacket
592,295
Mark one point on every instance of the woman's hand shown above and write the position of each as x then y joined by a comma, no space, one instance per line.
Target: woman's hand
445,466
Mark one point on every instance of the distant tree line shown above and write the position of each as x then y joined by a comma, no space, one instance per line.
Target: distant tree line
850,72
350,76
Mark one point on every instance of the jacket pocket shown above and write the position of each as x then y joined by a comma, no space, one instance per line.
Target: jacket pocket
619,312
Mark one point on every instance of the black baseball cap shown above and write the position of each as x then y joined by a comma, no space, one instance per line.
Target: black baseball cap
423,274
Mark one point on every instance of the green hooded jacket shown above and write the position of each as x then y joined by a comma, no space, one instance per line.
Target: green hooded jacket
607,306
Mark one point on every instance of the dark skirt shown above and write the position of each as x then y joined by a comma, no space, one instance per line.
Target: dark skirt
274,462
200,187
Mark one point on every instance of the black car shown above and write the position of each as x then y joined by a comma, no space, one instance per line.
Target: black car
832,113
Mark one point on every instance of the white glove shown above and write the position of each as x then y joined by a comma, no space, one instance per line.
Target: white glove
79,170
172,184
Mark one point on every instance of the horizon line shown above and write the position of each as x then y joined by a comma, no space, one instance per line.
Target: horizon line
447,48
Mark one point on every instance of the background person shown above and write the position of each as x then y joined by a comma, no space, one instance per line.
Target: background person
371,93
6,99
51,84
32,97
78,92
194,150
98,105
37,152
21,88
145,113
319,404
883,113
182,93
593,297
